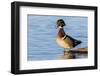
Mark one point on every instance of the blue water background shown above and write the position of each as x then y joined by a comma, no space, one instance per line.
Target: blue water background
42,35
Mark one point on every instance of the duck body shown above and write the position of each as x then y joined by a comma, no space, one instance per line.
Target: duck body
66,41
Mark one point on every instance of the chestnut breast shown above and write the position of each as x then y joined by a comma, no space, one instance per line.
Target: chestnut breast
61,33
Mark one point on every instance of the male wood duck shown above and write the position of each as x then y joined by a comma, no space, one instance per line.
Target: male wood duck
65,41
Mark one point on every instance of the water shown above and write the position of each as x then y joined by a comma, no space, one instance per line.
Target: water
42,34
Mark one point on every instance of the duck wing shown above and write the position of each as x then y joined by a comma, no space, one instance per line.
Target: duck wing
74,41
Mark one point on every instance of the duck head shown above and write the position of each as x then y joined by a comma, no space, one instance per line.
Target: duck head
60,23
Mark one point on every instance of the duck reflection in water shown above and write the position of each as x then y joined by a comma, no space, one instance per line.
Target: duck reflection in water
64,40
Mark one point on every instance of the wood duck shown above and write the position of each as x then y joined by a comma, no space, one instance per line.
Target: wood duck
65,41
